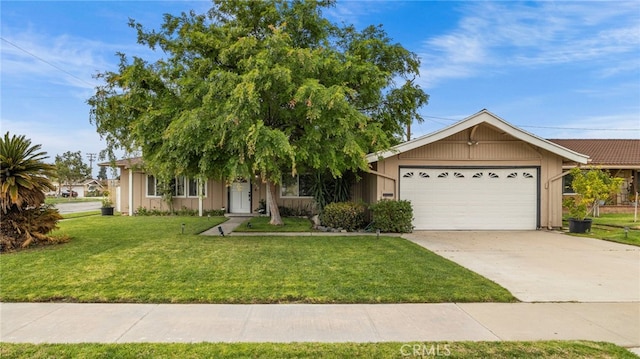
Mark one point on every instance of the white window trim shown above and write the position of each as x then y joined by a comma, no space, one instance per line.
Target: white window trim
298,196
186,187
198,182
155,179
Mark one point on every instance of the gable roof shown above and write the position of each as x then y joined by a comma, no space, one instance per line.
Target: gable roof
489,118
606,152
124,163
90,181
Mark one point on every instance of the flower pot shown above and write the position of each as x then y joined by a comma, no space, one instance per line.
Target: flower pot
579,225
107,211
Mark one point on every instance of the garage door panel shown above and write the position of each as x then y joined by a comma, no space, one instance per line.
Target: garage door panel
471,198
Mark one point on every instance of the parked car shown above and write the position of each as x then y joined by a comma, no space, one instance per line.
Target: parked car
65,194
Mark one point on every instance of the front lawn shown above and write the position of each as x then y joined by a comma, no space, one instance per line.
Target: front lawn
617,220
610,227
261,224
56,200
148,260
537,349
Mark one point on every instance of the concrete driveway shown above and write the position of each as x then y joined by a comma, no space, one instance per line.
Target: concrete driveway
540,266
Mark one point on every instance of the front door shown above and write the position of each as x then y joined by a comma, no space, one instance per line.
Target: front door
240,196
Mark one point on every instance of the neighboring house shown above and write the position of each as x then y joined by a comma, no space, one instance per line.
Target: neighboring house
480,173
76,187
82,189
93,186
620,157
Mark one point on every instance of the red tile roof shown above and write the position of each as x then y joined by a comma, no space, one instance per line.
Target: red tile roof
605,152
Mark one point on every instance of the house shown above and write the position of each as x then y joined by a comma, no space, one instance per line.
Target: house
480,173
86,188
93,187
139,189
620,157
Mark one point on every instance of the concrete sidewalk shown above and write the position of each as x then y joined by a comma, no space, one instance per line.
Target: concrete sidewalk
121,323
227,226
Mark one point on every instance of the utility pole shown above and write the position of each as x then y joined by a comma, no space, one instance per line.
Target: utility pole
91,156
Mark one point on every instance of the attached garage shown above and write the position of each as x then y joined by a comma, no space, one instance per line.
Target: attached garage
472,198
481,173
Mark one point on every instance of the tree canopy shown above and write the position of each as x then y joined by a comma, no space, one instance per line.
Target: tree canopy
258,87
70,169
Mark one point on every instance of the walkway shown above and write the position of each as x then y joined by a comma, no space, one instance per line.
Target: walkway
123,323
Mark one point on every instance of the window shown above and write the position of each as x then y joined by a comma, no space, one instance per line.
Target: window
566,184
153,187
192,188
192,185
298,186
178,186
181,186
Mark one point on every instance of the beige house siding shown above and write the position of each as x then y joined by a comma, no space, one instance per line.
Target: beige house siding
216,197
490,149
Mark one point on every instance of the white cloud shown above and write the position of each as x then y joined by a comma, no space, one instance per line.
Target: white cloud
492,36
620,125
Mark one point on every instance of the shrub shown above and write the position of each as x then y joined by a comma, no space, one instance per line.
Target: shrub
300,211
184,211
392,216
214,212
21,229
345,215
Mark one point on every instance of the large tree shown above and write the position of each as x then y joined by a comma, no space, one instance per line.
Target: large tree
258,87
70,169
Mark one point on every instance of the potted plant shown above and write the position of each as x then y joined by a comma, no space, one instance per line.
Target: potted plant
591,187
107,205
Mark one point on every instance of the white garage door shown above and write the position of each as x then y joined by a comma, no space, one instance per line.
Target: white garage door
471,198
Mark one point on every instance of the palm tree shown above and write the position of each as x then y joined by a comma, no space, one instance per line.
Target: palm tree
23,182
23,174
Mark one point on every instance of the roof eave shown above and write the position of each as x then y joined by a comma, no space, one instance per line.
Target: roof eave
483,116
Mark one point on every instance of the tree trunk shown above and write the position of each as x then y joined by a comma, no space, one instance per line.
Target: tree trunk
276,220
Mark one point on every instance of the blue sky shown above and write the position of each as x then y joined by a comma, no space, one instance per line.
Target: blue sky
558,69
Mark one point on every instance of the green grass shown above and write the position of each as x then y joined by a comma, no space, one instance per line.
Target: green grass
537,349
261,224
56,200
148,260
610,227
617,220
612,234
81,214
